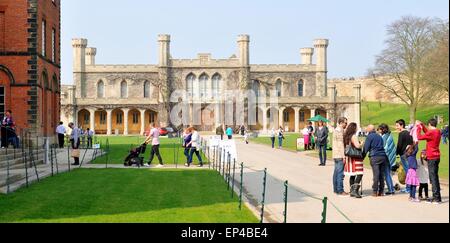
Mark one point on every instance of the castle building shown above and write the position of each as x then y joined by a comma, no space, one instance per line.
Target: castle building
30,64
125,99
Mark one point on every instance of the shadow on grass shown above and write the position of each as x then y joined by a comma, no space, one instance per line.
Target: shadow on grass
87,192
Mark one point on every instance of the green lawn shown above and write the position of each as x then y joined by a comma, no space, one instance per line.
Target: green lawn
126,195
290,144
120,147
374,113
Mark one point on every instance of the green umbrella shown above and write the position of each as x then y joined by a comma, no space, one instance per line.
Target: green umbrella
319,118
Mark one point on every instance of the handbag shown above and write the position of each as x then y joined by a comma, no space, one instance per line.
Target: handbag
353,152
75,153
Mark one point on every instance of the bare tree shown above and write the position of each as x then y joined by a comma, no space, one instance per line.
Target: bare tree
437,69
401,68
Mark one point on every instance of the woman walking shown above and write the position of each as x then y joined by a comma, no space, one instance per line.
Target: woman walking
272,137
195,147
280,137
389,147
354,167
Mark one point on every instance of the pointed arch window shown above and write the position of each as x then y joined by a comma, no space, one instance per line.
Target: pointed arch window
203,81
278,87
216,79
300,88
190,79
147,89
101,90
123,90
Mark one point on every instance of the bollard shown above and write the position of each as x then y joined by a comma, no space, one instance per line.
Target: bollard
229,171
7,176
286,188
263,195
51,158
242,186
56,160
324,213
220,160
234,173
68,157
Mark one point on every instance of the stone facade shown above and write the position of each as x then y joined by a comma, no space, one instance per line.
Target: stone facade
124,99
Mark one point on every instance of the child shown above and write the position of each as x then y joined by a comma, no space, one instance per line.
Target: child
422,170
412,180
246,136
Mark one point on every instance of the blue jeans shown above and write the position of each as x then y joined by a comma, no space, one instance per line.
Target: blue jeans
338,176
323,154
273,142
388,176
280,142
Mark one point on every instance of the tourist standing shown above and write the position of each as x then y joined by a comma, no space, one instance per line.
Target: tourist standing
154,137
195,147
242,129
354,167
90,136
390,149
220,132
374,146
280,137
338,156
7,129
424,176
230,133
75,142
404,140
412,180
445,134
272,136
305,133
321,135
312,142
61,131
433,137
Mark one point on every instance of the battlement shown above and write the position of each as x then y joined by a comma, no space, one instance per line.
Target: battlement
122,68
79,43
321,43
283,68
164,37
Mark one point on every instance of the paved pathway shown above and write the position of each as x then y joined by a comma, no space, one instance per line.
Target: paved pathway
305,176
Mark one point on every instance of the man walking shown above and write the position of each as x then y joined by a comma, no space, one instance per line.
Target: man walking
61,131
404,139
374,146
154,137
432,136
75,141
90,135
338,156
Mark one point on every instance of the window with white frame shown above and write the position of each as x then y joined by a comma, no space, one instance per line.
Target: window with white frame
44,29
203,80
216,79
190,84
53,45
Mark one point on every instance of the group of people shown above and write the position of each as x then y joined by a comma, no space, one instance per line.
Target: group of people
61,133
192,145
349,154
220,131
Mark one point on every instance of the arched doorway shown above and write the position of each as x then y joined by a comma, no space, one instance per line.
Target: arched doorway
304,116
117,122
5,90
273,118
150,116
134,122
289,120
84,118
101,123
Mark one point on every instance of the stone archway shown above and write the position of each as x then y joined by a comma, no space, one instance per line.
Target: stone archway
101,122
84,118
273,120
289,119
118,122
134,122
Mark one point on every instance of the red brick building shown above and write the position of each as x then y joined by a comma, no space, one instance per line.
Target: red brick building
30,63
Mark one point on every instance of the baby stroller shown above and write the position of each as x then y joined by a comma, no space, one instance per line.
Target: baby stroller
134,157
